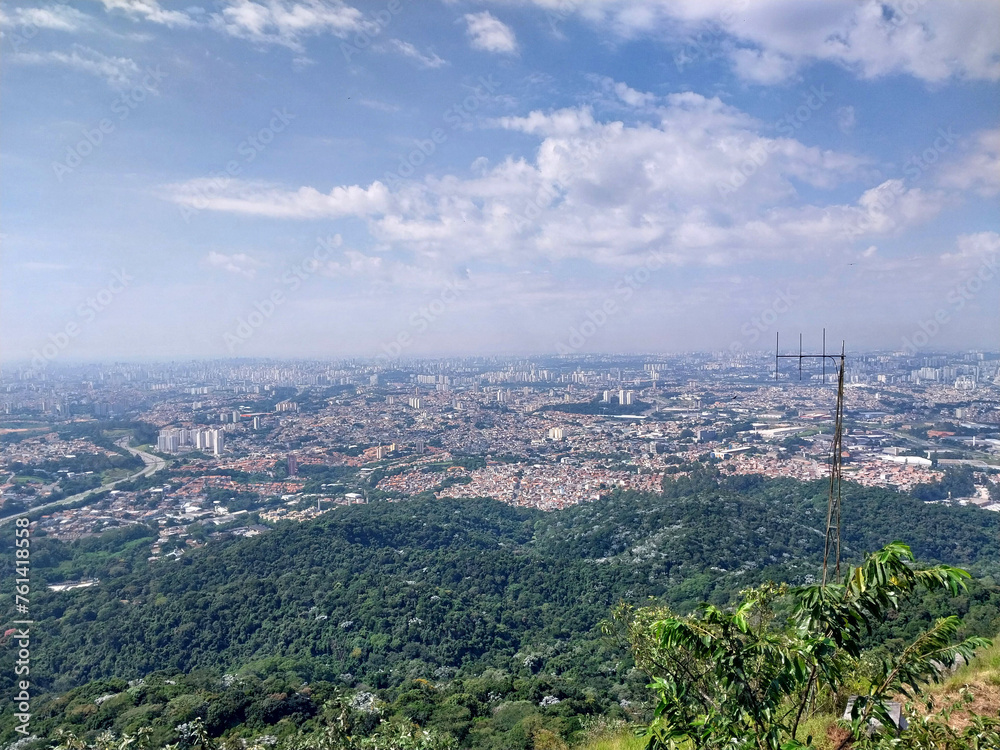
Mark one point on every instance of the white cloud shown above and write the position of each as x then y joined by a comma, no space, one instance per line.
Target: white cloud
52,17
285,22
702,184
632,97
621,93
978,168
264,22
931,41
262,199
119,72
487,32
974,249
149,10
237,263
762,66
562,122
407,49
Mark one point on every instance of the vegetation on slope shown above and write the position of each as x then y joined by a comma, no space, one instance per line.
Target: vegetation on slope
373,598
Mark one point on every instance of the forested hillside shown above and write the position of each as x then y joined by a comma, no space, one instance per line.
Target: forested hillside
376,596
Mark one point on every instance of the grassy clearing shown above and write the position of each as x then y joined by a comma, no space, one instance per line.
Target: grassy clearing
980,678
623,741
112,475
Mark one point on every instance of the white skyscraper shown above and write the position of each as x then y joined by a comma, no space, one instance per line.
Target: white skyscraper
217,438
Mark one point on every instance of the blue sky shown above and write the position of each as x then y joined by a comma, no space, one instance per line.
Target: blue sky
281,178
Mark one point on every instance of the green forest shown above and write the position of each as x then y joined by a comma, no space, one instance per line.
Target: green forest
477,619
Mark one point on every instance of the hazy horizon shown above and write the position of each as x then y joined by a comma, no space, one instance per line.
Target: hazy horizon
327,179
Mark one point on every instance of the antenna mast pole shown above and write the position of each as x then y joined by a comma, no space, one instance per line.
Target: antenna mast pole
831,545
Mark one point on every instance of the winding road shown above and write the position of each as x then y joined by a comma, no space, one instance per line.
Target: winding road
151,465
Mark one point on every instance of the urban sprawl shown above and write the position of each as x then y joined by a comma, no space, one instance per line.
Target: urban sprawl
206,450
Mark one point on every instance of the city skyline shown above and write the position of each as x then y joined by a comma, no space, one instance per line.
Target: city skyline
390,180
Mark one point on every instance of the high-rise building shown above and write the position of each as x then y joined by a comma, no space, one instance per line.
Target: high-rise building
217,441
168,441
556,433
293,465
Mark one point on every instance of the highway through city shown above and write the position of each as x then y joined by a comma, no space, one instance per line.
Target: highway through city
151,465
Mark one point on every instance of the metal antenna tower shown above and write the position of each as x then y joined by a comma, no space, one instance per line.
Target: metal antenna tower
831,547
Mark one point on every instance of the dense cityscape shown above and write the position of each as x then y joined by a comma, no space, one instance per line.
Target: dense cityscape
205,450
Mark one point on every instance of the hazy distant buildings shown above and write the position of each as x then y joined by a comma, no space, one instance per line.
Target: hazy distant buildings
965,383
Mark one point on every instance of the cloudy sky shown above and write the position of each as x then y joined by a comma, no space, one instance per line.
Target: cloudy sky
318,178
